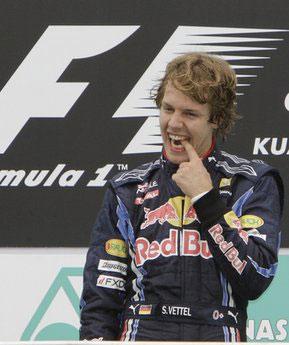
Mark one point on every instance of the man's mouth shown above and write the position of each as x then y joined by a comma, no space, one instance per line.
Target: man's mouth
176,142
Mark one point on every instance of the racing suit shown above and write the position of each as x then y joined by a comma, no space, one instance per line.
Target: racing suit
160,268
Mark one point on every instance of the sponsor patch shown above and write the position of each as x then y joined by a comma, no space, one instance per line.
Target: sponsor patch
116,247
189,244
225,182
111,282
227,248
244,222
149,195
177,211
225,192
145,309
112,266
143,188
232,220
251,221
256,233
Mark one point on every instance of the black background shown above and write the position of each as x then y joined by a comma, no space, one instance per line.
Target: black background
88,137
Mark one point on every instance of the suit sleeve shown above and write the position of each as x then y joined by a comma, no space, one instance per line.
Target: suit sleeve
104,276
244,240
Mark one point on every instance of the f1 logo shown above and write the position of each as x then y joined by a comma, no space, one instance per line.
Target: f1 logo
33,90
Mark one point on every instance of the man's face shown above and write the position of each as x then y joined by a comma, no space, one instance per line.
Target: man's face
184,119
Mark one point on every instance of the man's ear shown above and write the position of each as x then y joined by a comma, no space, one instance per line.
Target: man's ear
214,125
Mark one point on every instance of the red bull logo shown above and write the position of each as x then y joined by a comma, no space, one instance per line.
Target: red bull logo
189,243
227,248
161,214
190,215
177,211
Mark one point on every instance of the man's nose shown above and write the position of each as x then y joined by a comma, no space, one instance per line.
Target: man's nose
176,120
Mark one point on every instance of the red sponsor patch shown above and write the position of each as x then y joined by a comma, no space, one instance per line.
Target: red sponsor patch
149,195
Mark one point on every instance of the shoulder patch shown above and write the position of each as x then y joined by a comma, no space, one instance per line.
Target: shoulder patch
232,170
234,158
232,165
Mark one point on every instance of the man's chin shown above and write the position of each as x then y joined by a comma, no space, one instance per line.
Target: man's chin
176,158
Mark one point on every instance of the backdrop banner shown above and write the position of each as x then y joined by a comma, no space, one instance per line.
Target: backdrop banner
75,107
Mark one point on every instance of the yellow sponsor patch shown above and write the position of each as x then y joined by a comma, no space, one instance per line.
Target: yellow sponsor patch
225,182
116,247
251,221
232,220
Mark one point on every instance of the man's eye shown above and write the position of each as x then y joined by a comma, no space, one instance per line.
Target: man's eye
190,113
168,109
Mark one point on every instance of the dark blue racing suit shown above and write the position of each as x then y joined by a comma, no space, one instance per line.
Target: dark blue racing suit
161,269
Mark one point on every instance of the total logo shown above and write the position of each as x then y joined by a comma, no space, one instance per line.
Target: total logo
177,211
189,242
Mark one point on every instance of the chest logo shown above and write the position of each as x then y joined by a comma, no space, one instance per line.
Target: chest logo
177,211
188,243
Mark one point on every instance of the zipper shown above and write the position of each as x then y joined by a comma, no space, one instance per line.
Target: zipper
182,258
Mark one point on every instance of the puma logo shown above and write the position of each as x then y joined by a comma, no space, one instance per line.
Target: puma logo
133,308
233,316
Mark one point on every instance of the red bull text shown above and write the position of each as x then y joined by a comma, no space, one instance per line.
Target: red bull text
230,252
189,243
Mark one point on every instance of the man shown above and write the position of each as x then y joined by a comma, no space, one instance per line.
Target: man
181,244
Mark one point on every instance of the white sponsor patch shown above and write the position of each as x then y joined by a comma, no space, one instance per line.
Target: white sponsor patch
111,282
112,266
256,233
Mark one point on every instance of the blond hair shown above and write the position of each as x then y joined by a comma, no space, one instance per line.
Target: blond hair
205,79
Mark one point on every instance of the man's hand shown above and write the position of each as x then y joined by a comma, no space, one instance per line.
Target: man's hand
192,177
